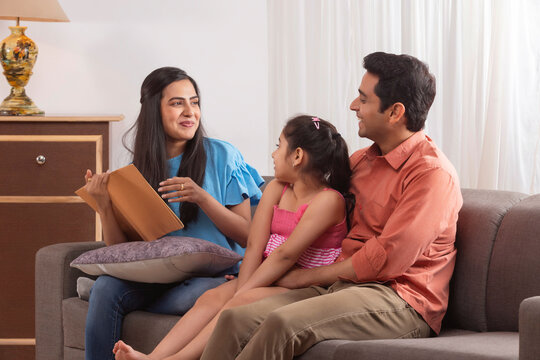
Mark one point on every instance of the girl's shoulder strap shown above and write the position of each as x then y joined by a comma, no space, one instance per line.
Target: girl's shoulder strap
284,189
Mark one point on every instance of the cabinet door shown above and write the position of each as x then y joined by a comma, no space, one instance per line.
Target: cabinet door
42,163
16,352
25,228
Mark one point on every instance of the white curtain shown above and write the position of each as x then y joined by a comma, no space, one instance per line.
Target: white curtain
485,55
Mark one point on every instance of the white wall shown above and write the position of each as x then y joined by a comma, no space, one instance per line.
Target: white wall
96,63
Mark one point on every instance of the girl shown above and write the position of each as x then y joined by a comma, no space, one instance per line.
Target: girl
205,181
300,221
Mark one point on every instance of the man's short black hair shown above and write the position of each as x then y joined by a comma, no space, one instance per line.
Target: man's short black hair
404,79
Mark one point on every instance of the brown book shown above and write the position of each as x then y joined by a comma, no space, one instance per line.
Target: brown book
141,213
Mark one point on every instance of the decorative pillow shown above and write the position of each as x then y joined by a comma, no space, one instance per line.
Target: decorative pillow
166,260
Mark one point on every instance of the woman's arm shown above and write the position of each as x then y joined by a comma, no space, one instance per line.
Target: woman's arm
96,186
259,231
326,210
233,221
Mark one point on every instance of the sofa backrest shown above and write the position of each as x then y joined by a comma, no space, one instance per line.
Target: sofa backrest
514,268
480,222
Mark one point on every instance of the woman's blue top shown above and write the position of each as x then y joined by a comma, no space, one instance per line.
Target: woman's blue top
229,179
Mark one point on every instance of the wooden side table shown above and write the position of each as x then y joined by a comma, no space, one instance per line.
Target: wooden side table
42,162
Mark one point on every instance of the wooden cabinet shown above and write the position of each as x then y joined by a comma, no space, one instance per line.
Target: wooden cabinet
42,163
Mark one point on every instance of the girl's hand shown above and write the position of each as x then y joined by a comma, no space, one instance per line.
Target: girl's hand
230,277
96,186
180,189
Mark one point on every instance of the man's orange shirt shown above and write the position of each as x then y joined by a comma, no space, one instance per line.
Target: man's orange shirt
404,229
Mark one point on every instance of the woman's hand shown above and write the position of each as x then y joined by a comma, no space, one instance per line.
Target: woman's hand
180,189
233,220
96,185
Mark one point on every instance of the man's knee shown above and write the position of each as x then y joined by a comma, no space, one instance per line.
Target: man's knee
277,322
229,317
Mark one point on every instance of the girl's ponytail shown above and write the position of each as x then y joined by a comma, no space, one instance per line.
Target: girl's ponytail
339,171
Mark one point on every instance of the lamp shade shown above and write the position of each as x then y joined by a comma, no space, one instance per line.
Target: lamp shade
32,10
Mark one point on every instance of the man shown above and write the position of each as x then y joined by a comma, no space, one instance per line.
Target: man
392,278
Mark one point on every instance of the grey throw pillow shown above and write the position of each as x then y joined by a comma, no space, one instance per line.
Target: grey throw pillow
166,260
84,285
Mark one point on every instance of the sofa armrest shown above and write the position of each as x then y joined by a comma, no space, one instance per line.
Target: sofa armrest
529,328
55,281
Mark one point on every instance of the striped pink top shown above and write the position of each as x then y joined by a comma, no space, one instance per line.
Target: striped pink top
322,251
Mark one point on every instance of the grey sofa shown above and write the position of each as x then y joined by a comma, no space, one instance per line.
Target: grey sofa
494,309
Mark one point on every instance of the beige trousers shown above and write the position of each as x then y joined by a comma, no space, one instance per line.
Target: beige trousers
288,324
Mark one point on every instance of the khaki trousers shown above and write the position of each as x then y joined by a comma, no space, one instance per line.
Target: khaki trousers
288,324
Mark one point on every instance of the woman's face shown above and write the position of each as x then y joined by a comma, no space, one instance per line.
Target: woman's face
180,115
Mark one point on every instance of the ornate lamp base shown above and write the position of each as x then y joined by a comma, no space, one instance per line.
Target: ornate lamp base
18,53
17,103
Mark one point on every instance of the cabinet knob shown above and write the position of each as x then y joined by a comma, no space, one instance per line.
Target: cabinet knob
41,159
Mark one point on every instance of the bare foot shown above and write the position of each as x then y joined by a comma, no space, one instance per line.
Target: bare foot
123,351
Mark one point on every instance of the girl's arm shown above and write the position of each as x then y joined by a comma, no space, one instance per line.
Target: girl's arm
260,231
233,221
96,185
326,210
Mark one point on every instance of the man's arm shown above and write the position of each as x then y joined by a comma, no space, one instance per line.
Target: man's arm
322,275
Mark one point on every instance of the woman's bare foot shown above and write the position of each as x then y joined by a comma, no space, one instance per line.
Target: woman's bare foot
123,351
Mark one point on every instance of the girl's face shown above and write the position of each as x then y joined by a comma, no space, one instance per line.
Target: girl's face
283,160
180,115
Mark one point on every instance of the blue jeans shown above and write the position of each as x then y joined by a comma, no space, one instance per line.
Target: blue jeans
111,299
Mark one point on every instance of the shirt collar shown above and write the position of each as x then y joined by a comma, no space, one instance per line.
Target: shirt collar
401,153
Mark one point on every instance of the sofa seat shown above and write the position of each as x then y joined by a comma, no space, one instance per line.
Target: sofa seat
139,327
464,345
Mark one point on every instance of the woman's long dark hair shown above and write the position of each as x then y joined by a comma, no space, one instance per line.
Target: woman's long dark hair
149,146
327,150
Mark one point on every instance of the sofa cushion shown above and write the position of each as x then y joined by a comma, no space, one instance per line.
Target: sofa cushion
144,330
478,223
514,266
322,351
74,312
464,346
73,354
169,259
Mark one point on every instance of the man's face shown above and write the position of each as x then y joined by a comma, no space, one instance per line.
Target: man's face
372,124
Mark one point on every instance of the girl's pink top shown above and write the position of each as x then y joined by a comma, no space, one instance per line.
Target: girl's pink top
322,251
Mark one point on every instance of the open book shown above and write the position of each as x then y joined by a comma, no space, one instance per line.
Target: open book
141,213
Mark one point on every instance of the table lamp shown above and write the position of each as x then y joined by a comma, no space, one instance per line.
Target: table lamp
18,53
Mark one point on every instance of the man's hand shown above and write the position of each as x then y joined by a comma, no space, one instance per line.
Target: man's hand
294,279
322,275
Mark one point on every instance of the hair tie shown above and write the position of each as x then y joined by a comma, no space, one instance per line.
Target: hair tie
316,121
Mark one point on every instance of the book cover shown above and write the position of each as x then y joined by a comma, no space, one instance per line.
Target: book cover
141,213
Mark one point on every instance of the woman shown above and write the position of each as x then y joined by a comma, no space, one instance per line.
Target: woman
206,181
